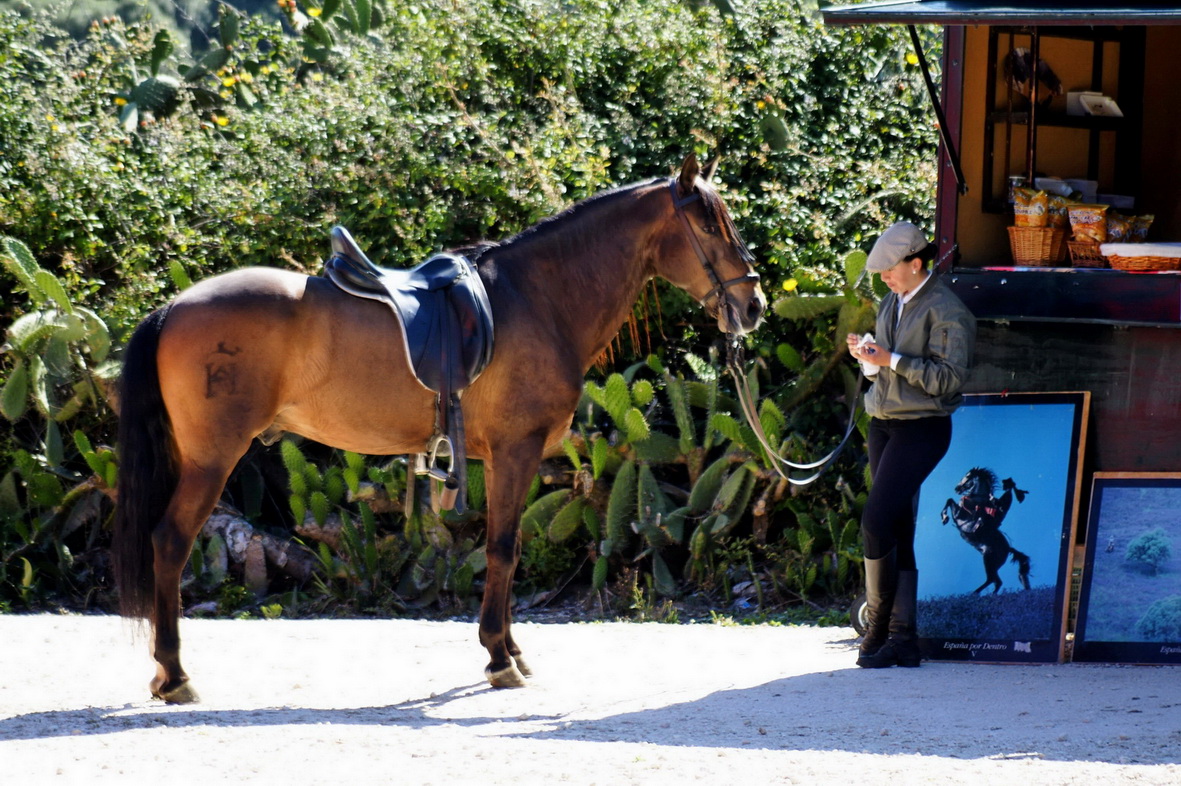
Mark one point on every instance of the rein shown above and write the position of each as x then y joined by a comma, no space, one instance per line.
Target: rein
734,364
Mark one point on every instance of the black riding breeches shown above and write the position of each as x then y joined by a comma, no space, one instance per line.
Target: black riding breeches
902,453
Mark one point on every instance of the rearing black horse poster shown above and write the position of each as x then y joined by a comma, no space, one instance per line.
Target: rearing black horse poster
996,528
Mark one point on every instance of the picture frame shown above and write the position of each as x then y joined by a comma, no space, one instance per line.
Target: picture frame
1130,594
996,524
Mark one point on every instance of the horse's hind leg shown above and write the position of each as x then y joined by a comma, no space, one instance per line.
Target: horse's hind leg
196,494
992,577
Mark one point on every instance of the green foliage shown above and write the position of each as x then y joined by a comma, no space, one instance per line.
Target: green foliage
371,555
1150,550
58,350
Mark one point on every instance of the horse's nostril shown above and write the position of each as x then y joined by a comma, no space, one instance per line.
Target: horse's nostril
754,309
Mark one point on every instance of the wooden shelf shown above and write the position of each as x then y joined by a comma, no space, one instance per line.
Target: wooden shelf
1046,118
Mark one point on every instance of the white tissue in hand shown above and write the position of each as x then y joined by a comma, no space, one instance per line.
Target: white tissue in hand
868,369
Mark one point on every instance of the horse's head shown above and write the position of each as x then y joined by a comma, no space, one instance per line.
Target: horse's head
706,257
978,483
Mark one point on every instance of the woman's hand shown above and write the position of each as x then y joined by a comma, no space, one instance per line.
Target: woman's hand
872,353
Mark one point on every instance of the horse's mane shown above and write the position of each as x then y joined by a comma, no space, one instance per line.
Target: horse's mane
476,250
556,222
988,475
715,208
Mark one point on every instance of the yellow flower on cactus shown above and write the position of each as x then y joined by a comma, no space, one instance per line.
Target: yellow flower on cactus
790,285
221,121
229,81
120,101
912,58
313,12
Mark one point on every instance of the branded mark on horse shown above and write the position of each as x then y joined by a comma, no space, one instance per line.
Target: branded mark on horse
262,351
978,517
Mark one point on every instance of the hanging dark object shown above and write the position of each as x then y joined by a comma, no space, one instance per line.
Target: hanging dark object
1019,72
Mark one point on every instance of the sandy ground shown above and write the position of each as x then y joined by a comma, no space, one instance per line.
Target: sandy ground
400,701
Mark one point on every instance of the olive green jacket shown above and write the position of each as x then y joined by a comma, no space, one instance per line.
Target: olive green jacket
935,338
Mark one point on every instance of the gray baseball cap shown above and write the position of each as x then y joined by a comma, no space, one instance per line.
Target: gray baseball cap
901,241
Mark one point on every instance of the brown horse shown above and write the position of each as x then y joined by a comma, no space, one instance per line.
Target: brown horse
262,350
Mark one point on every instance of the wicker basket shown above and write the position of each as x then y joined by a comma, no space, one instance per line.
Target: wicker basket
1037,246
1085,254
1141,264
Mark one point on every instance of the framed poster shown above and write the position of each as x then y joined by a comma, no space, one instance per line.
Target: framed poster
1129,607
996,526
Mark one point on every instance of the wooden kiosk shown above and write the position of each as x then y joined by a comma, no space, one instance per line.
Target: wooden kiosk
1061,324
1112,332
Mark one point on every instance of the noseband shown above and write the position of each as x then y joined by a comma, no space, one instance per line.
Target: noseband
719,286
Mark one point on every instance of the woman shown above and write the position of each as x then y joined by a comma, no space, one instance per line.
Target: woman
919,363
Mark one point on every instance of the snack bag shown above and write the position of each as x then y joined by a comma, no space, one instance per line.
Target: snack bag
1029,207
1089,222
1140,225
1119,228
1057,215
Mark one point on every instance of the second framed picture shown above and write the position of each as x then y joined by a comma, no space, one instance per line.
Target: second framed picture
1130,601
996,528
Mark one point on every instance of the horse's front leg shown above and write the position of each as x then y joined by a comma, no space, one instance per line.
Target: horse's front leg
507,476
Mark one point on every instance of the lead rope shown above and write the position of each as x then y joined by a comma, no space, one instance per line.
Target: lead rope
734,364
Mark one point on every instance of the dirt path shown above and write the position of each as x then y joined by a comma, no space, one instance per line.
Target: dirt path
404,702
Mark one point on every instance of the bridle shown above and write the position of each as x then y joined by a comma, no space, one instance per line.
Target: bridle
719,286
735,358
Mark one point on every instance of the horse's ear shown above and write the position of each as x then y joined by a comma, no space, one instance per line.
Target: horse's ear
690,170
712,167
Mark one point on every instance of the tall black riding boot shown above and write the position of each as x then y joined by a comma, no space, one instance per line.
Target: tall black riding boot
881,581
902,648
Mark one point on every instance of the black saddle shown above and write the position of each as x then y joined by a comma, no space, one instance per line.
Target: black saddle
441,304
448,332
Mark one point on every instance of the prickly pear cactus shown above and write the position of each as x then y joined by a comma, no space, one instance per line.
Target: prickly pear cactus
156,94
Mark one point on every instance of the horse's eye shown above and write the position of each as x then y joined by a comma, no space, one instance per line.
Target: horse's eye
710,229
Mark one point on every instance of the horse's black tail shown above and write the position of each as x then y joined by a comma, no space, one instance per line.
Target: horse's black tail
1022,561
147,472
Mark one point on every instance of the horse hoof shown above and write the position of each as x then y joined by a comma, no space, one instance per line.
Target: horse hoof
508,677
522,666
180,694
